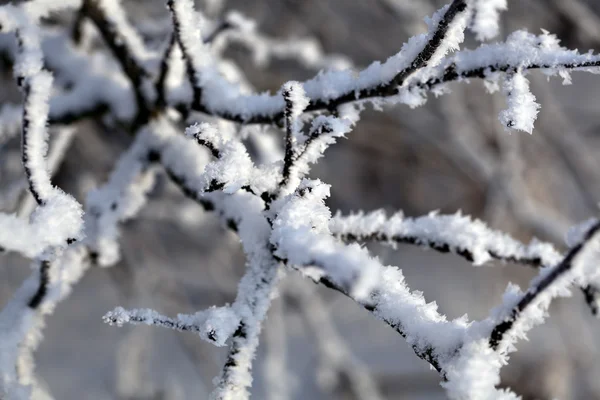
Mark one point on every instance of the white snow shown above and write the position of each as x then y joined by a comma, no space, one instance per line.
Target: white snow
214,325
459,232
522,109
486,18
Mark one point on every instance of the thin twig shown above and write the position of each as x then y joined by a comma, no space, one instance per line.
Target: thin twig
534,292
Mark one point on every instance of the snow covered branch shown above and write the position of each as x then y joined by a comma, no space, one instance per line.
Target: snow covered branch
459,234
295,103
213,325
55,208
240,30
265,197
578,266
189,39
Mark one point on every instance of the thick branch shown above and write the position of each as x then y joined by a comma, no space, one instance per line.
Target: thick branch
445,75
389,88
428,353
469,238
31,149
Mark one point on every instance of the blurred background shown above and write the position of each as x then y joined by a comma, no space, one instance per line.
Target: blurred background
451,154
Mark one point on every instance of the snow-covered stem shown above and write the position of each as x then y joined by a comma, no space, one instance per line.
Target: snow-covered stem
236,376
59,144
189,39
459,234
550,284
36,84
295,103
378,306
118,200
424,349
469,238
307,245
267,110
207,136
26,311
444,36
125,193
521,51
214,325
187,169
440,41
280,218
252,301
35,135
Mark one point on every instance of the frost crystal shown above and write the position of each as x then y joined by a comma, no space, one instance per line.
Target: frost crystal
522,109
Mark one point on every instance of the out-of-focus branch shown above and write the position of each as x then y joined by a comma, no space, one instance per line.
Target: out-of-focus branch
582,17
278,380
43,286
121,40
334,351
161,99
